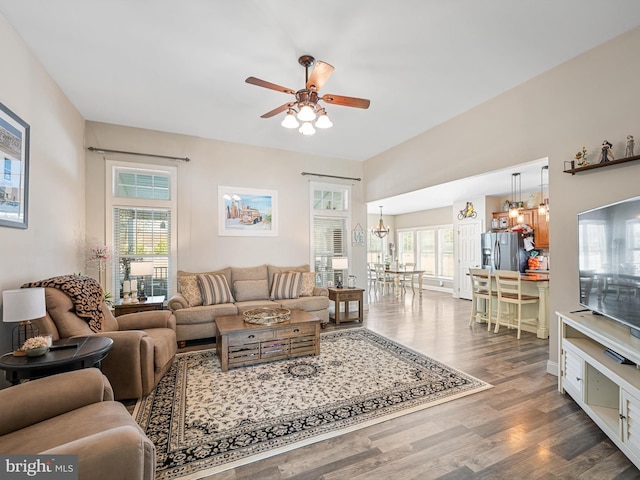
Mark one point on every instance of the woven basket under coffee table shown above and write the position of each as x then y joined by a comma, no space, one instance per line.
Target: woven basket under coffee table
240,343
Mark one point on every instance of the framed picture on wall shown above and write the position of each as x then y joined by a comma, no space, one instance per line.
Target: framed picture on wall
14,182
247,212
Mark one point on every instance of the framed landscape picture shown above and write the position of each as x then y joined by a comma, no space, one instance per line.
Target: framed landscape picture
247,212
14,182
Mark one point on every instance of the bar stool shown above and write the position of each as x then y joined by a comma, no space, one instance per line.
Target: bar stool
510,294
481,292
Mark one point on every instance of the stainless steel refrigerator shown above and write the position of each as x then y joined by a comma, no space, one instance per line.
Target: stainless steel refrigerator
503,251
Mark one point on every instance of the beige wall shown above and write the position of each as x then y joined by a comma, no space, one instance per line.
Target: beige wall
216,163
53,242
582,102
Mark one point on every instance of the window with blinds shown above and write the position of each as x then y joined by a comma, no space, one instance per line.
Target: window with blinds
330,210
142,235
329,240
141,213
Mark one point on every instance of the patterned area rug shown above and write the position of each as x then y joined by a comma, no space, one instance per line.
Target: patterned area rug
203,421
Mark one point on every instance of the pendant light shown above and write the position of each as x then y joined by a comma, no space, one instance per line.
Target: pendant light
543,208
514,206
381,231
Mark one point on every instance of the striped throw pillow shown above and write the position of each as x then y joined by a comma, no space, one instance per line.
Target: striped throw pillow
286,285
214,289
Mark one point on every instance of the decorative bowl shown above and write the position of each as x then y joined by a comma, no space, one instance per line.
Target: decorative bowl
36,352
267,315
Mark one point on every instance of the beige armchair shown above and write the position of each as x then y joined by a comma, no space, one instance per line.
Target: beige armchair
144,344
74,413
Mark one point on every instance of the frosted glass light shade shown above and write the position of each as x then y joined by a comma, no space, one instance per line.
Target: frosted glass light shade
324,121
290,121
306,114
23,304
307,129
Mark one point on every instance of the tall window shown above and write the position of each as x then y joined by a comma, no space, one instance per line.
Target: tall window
431,248
142,210
330,212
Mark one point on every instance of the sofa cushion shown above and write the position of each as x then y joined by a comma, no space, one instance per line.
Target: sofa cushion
285,285
248,273
224,271
190,290
204,313
214,289
247,290
307,284
274,269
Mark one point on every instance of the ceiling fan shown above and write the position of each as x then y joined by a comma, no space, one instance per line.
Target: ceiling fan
306,106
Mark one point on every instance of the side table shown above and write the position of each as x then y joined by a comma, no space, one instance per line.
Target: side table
151,303
64,355
346,295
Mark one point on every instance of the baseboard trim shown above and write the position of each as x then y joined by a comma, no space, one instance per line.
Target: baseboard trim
552,367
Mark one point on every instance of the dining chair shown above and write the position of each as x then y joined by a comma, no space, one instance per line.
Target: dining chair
510,295
408,278
482,296
382,278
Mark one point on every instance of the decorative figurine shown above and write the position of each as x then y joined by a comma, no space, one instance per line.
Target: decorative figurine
629,151
606,155
581,157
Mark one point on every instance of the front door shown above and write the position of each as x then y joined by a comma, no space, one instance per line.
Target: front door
469,254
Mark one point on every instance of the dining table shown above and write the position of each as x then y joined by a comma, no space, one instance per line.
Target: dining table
399,273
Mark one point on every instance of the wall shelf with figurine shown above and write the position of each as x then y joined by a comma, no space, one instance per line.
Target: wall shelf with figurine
573,169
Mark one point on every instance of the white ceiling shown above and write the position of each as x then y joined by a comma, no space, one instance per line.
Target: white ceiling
180,66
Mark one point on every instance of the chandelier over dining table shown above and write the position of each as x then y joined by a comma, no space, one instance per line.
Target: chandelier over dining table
380,231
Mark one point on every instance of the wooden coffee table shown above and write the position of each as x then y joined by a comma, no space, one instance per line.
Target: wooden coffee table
239,343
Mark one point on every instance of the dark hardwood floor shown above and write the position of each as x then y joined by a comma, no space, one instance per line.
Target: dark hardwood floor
520,429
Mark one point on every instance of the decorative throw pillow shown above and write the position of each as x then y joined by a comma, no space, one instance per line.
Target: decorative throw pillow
247,290
286,285
214,289
190,290
307,284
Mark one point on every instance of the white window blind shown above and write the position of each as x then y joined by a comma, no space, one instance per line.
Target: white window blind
329,240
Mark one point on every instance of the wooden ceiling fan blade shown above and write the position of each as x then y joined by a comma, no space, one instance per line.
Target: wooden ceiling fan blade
346,101
272,86
320,74
277,110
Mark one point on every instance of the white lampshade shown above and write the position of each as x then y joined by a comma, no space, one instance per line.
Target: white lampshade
306,114
307,129
23,304
339,263
139,269
324,121
290,120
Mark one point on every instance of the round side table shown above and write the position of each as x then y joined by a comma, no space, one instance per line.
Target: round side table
63,356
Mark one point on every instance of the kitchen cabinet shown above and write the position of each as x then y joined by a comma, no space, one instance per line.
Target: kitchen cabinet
538,223
540,230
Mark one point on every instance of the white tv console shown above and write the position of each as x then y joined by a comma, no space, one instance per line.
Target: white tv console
608,391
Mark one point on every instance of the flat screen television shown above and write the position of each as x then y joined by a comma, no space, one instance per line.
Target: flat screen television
609,261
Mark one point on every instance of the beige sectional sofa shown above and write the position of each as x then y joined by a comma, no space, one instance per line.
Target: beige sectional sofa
202,296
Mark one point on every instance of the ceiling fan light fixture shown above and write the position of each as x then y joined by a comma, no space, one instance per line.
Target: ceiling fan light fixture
323,120
290,120
306,113
307,129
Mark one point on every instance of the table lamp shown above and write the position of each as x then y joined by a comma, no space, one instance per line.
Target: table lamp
23,305
339,264
140,269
